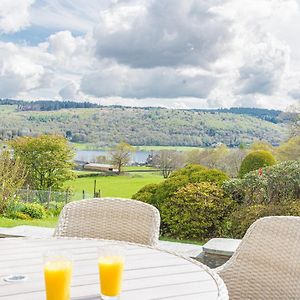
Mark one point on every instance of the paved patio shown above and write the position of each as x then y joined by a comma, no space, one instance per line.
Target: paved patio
214,253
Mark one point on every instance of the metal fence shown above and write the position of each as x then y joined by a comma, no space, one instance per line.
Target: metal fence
45,197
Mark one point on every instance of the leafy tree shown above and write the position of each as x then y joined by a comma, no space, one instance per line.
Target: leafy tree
12,178
255,160
121,155
289,150
47,159
261,145
167,161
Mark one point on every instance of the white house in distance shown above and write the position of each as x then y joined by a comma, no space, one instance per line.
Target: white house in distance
99,167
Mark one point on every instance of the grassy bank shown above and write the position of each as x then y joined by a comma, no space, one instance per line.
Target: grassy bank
47,222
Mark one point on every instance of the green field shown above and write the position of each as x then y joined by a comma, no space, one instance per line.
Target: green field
123,186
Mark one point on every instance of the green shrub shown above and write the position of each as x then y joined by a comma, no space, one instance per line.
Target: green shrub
256,160
234,188
34,210
274,184
188,170
196,211
212,175
55,208
244,216
12,207
146,193
19,215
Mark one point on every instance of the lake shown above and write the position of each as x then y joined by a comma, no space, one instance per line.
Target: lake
90,155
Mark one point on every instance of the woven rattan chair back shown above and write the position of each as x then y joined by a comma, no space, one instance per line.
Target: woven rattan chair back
110,218
266,265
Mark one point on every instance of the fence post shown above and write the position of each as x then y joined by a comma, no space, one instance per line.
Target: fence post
67,196
27,193
49,198
83,194
95,185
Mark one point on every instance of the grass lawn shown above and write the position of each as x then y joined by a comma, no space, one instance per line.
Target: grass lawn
139,168
123,186
47,222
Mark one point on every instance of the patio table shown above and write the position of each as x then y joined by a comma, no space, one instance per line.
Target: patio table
149,273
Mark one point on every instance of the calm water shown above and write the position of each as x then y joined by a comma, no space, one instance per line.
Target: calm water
90,155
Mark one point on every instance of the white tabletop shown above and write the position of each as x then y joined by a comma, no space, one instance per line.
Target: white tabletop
149,273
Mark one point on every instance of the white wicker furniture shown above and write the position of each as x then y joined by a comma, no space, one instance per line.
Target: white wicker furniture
111,219
149,272
266,265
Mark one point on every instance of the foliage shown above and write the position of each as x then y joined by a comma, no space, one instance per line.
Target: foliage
12,178
20,215
221,157
121,155
242,217
34,210
146,194
274,184
290,150
255,160
48,160
106,126
212,175
167,161
196,211
17,209
55,208
161,194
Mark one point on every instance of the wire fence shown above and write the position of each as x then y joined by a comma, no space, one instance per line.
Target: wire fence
45,197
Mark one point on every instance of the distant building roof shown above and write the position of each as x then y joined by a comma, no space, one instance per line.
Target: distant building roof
99,165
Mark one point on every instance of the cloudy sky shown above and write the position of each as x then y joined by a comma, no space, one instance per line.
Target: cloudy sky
173,53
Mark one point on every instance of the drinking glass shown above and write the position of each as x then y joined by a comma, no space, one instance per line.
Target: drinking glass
111,266
57,272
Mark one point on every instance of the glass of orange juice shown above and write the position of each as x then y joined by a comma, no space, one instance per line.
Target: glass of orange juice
58,272
111,266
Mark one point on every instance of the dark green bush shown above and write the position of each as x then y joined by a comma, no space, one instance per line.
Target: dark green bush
244,216
34,210
256,160
196,211
274,184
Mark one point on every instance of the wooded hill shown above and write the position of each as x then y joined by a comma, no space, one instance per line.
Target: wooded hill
105,126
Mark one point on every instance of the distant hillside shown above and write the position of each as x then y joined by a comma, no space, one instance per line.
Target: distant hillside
46,105
105,126
270,115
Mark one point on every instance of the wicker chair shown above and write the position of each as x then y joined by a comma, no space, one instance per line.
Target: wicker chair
266,265
110,218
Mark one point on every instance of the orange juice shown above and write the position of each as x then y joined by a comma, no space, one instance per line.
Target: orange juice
111,271
58,279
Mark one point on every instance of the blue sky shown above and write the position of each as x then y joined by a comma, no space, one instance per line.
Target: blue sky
172,53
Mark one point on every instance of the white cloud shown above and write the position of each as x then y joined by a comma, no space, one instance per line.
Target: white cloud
144,83
14,15
19,72
164,33
173,53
